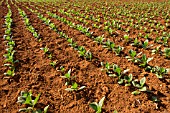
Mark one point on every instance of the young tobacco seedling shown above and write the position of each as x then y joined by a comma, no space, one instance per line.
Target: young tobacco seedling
159,71
99,39
53,63
74,87
52,26
109,45
110,30
167,53
157,40
61,68
136,42
81,51
139,85
97,106
45,49
165,41
126,37
36,35
118,50
144,60
106,67
26,98
128,80
118,73
72,44
68,77
156,50
145,44
132,56
10,72
88,55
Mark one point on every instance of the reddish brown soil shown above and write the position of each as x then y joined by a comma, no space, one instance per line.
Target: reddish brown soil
34,73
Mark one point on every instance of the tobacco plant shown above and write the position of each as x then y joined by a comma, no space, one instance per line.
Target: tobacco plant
156,50
27,99
143,61
159,71
45,49
110,45
68,77
97,106
72,44
106,67
118,50
53,63
145,44
167,53
140,85
128,80
132,56
9,56
136,42
99,39
74,87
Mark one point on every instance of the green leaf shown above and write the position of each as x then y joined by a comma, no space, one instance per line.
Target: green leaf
46,109
67,75
36,99
74,85
94,105
135,84
128,84
155,99
101,102
120,81
136,92
28,100
82,87
142,81
10,73
117,70
130,78
149,59
143,89
23,109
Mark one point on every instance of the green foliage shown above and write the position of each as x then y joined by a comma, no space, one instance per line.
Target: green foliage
139,85
110,45
97,106
145,44
143,62
136,42
118,50
167,53
132,56
99,39
159,71
128,80
26,98
53,63
74,87
68,77
45,49
156,50
126,37
72,44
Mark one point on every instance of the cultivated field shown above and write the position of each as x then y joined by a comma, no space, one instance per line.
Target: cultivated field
83,56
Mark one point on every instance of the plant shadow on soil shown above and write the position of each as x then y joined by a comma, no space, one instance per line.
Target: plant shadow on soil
151,95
